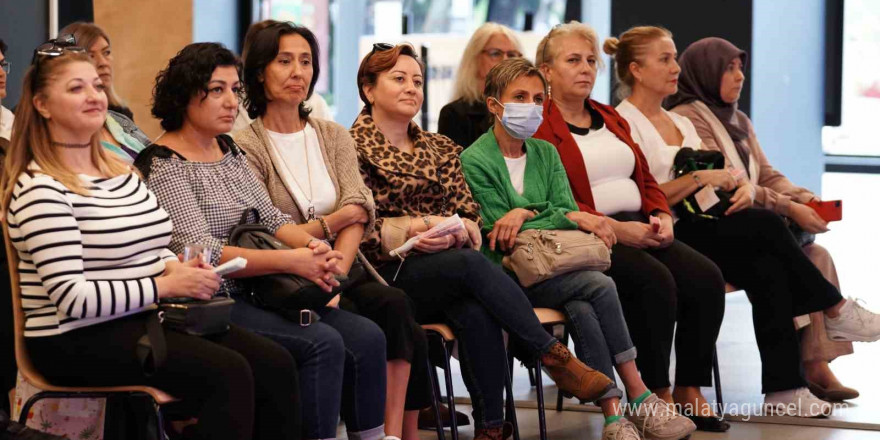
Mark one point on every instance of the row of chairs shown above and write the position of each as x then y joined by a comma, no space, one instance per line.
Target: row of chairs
440,337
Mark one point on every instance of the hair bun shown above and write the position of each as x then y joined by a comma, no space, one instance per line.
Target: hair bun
610,46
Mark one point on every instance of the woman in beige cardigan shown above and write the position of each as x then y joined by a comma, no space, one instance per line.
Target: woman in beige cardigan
701,85
310,169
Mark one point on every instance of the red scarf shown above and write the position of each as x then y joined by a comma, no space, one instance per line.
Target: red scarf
554,129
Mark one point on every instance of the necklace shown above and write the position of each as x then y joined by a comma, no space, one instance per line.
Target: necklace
310,212
67,145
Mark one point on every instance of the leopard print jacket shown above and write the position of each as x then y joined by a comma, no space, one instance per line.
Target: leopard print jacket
428,182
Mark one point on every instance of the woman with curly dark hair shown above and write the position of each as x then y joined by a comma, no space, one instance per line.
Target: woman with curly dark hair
203,180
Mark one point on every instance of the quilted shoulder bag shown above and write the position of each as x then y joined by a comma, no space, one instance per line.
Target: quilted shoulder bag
539,255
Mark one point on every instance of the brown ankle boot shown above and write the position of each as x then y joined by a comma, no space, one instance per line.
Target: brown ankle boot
497,433
572,376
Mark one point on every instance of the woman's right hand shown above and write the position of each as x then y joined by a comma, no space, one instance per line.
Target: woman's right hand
721,179
637,234
316,263
807,218
189,279
597,224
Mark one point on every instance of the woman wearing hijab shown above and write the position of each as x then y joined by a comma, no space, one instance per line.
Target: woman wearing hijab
710,83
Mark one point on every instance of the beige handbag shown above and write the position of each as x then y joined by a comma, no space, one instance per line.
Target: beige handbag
539,255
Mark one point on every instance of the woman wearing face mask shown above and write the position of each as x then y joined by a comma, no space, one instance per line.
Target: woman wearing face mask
709,87
521,184
309,167
120,134
466,118
417,183
93,259
752,246
660,280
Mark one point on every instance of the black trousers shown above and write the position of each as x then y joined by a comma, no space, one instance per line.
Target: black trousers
757,253
659,287
392,310
244,386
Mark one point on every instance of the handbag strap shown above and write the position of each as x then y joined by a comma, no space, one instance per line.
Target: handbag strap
244,216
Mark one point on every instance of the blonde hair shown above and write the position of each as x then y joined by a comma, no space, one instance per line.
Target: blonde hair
506,72
30,135
629,48
547,51
86,35
467,85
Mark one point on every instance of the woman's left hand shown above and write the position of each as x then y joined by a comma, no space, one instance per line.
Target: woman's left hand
743,198
666,231
434,245
473,233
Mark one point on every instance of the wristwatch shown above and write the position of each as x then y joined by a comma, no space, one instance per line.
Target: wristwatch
697,179
308,317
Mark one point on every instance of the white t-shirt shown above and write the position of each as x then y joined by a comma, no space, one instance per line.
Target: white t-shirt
660,155
6,119
610,164
517,170
291,147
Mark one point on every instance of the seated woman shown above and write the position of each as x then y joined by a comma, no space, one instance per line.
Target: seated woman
417,182
91,240
466,118
520,184
309,168
203,179
752,247
660,280
709,88
120,134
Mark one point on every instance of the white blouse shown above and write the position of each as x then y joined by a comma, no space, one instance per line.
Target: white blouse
610,164
291,147
660,155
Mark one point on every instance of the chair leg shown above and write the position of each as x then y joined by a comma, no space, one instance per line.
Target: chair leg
539,386
716,371
450,395
511,405
435,398
559,394
531,376
22,418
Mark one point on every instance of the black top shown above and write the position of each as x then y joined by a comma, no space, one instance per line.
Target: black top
597,123
464,122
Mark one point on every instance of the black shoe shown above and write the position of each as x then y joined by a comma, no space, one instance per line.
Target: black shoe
16,431
710,424
428,421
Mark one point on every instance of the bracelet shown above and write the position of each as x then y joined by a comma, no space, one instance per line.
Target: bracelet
427,221
327,233
697,179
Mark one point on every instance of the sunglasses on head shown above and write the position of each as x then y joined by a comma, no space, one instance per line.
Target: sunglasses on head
56,47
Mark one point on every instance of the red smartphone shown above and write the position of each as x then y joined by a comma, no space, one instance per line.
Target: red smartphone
829,210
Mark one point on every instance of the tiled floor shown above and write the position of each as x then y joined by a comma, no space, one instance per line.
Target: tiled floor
854,243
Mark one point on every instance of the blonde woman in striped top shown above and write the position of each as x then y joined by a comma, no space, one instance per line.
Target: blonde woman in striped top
91,240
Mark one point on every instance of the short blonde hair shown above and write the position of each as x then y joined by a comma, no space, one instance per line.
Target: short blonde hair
628,49
547,50
467,85
506,72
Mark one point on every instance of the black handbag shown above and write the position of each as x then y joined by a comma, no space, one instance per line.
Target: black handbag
286,294
688,160
196,317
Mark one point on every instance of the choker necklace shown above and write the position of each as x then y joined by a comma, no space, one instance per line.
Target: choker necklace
66,145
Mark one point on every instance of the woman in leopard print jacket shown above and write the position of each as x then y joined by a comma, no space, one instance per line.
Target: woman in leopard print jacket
417,183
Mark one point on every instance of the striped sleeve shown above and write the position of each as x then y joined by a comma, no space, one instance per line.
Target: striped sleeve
42,219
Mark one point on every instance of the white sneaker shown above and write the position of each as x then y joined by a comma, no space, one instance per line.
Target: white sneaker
799,402
622,429
855,323
657,420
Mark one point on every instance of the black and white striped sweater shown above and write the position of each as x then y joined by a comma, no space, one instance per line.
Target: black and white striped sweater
86,259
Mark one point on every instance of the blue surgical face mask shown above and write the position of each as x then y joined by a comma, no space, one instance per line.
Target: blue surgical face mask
521,120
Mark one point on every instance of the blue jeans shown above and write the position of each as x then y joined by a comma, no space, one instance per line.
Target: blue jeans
477,299
589,301
342,367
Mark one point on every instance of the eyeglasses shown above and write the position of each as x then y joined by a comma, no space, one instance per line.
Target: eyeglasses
56,47
498,54
5,65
